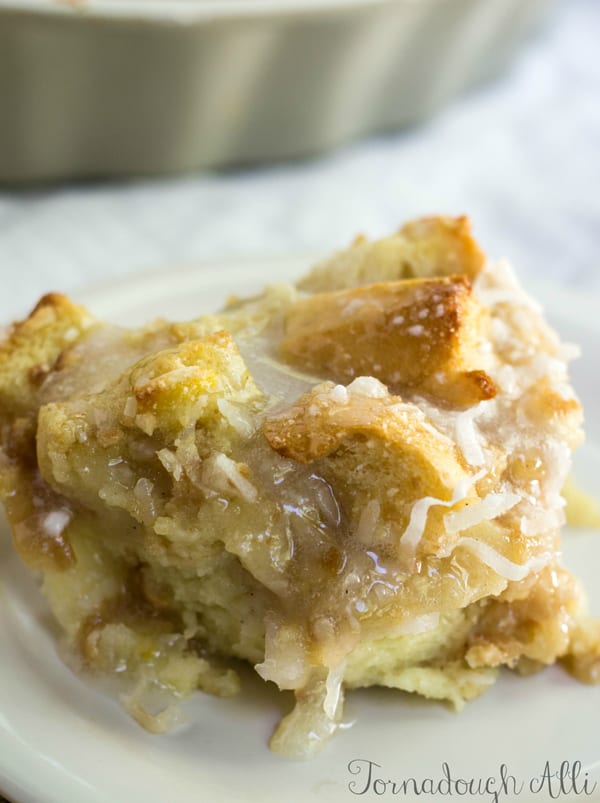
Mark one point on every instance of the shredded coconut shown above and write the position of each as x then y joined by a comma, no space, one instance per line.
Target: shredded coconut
467,436
412,535
339,394
500,564
418,624
146,422
234,416
368,386
55,522
333,687
285,657
130,409
171,463
488,508
223,474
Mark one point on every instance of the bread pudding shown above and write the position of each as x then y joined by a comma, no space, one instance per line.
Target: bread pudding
349,482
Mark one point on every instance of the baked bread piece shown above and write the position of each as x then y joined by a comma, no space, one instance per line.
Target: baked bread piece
352,482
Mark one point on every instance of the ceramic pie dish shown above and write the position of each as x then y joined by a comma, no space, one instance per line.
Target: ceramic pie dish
119,87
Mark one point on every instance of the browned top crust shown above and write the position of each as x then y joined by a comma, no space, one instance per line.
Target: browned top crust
424,334
423,248
319,423
32,348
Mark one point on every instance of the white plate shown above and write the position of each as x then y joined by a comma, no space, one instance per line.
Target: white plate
64,740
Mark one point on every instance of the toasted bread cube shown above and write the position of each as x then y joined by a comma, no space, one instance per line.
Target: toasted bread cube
34,346
387,440
417,333
174,385
423,248
164,395
381,455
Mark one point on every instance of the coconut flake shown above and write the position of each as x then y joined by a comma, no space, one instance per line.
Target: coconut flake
235,417
467,436
223,474
339,394
55,522
146,422
500,564
130,409
368,386
416,625
333,686
171,463
412,535
285,661
487,509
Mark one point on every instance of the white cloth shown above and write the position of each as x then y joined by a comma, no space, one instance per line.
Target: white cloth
520,155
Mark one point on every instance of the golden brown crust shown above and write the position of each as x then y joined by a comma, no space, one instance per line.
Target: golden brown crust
422,334
33,348
317,425
428,247
447,244
173,385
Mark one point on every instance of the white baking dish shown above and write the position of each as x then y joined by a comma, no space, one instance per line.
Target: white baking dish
117,87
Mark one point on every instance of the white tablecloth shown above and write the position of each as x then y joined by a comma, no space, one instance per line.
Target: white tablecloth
521,156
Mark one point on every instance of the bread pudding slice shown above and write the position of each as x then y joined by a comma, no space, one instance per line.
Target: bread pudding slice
350,482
